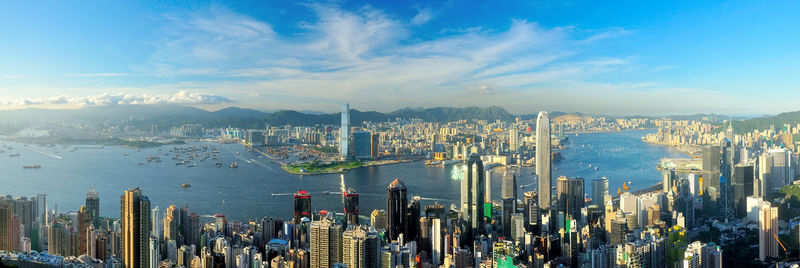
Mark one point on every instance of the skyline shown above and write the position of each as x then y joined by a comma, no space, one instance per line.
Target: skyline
662,58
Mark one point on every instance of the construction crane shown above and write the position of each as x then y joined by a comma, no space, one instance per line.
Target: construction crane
785,252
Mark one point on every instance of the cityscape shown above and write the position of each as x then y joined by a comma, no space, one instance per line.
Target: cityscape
256,135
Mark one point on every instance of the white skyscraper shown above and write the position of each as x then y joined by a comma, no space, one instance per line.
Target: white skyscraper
543,159
344,136
436,241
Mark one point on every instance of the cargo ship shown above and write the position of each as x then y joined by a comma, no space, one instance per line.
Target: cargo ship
34,166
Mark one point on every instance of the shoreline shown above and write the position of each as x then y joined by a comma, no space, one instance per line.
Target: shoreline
345,170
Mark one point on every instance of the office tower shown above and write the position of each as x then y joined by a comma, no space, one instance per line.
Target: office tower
84,222
350,199
325,243
764,183
379,219
472,199
782,169
361,248
396,209
6,233
712,159
183,220
742,185
136,224
93,205
362,143
670,180
41,205
487,187
513,140
509,186
171,217
599,191
302,205
344,136
543,159
712,255
375,145
412,220
694,184
437,245
193,230
767,231
531,211
517,227
570,195
157,229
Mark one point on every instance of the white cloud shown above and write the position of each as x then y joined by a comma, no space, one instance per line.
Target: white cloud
424,15
181,97
99,75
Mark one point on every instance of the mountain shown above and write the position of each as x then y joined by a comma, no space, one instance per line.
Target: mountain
765,122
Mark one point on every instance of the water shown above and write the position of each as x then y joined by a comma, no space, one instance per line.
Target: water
259,187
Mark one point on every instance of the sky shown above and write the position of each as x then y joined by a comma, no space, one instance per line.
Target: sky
603,57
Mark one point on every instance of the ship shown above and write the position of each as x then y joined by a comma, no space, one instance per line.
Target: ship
33,166
234,165
186,185
14,155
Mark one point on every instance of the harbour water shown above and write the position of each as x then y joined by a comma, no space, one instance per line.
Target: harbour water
258,187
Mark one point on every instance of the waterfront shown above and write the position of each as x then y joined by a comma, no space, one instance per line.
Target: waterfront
259,187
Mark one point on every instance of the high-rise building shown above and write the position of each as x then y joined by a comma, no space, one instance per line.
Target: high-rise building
670,179
375,145
742,185
509,186
93,206
412,220
397,209
599,192
6,234
350,200
570,195
543,159
767,231
473,199
135,218
84,222
361,248
362,144
437,245
379,219
344,135
712,160
302,205
532,212
171,216
782,168
325,243
513,140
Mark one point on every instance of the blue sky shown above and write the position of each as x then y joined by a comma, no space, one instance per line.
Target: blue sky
625,57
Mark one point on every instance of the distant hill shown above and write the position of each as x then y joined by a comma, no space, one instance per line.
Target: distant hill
765,122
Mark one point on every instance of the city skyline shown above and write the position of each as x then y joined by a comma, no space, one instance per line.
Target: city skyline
579,56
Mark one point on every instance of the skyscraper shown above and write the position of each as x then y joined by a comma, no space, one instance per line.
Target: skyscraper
84,221
599,192
344,135
93,206
302,205
509,201
513,140
350,199
362,144
509,185
767,230
742,185
171,223
135,219
374,145
570,192
437,245
6,234
543,159
473,199
361,248
325,243
397,208
712,160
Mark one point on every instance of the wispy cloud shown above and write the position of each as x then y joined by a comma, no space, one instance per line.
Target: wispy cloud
423,16
99,75
181,97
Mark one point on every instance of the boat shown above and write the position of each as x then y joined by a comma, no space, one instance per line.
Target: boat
234,165
13,155
33,166
596,168
186,185
192,165
218,164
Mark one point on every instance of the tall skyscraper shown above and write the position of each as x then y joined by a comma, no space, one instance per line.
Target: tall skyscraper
6,233
362,144
487,185
171,223
599,192
509,185
509,200
767,230
84,222
513,140
325,243
437,245
570,195
344,135
473,199
375,145
742,185
397,208
135,218
93,206
712,160
543,159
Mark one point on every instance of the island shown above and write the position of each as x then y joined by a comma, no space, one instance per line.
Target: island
316,167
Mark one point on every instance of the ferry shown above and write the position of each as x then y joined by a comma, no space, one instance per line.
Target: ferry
234,165
34,166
